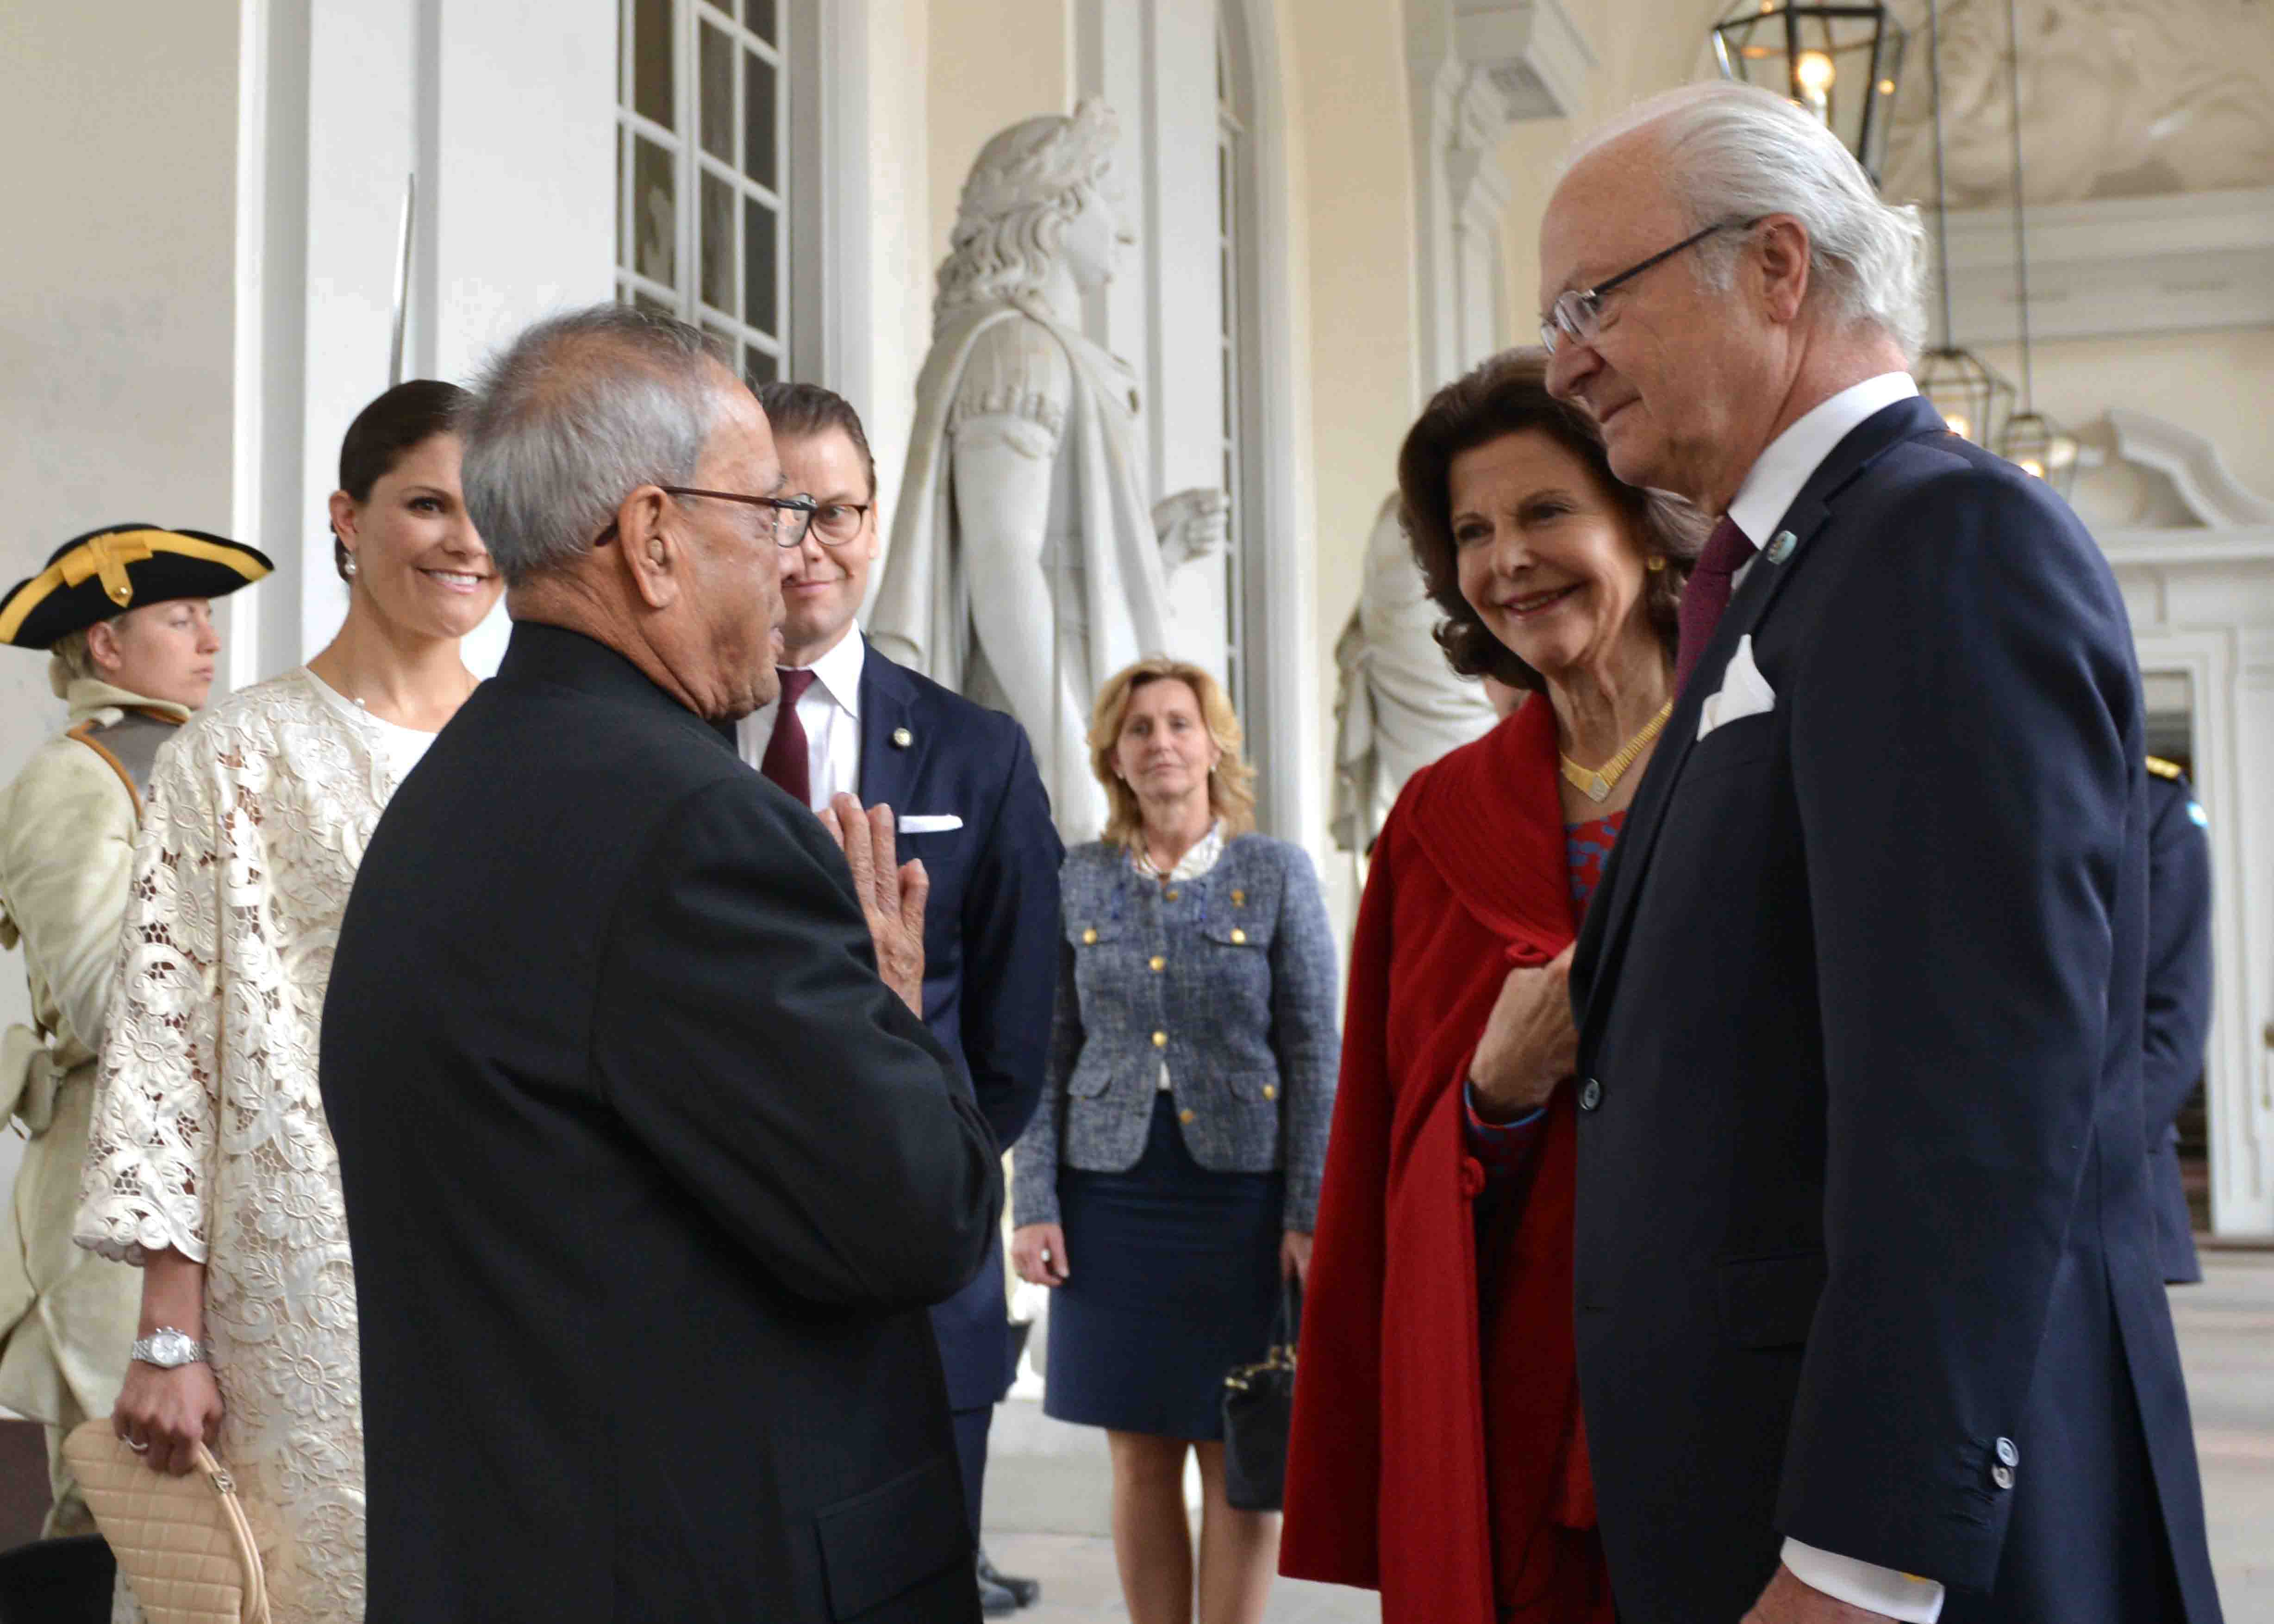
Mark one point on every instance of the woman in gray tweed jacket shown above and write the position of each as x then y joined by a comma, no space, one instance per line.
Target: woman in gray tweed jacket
1171,1176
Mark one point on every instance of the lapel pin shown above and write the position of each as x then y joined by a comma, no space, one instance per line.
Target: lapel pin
1780,547
902,738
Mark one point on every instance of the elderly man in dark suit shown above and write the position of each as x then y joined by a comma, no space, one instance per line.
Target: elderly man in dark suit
650,1165
1869,1319
971,806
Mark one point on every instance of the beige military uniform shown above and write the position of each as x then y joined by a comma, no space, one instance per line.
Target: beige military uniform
67,831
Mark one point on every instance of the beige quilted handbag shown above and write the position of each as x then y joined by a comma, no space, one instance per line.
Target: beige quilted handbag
183,1543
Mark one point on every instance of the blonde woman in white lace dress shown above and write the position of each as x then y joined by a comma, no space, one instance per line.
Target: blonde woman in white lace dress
209,1163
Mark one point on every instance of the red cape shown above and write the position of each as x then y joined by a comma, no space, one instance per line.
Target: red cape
1392,1481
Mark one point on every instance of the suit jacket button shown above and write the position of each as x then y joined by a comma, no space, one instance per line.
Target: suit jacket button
1160,1039
1591,1094
1158,963
1238,937
2007,1453
1168,896
1089,938
1184,1116
1270,1091
2002,1476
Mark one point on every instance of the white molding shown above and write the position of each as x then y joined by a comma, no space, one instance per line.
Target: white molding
1536,60
1281,610
2116,266
2169,549
829,203
2241,1123
2193,465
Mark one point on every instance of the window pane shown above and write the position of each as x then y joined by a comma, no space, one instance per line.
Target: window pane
655,226
652,80
717,256
758,120
758,17
759,367
718,110
759,267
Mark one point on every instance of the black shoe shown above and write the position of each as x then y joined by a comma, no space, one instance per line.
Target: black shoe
1023,1592
994,1600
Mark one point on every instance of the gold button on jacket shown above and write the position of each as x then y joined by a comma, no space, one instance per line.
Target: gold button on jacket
1238,937
1089,938
1160,1039
1158,963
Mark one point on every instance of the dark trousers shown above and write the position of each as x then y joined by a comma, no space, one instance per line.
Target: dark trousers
971,1428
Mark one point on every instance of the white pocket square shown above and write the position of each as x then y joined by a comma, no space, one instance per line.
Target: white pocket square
929,824
1744,691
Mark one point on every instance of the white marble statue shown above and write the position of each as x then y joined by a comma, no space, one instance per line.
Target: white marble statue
1398,705
1028,561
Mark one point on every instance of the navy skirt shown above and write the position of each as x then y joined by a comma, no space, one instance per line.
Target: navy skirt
1175,1280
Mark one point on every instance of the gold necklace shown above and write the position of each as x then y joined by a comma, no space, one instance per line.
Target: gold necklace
1597,785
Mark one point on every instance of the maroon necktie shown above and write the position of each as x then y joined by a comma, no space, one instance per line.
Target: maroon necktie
1703,600
785,761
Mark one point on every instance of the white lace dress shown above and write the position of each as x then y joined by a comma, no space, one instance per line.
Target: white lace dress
209,1136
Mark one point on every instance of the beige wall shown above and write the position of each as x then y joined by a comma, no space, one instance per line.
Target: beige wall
115,300
1355,131
992,63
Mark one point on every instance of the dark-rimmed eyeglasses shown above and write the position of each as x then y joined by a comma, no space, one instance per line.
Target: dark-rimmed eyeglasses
787,517
835,523
1578,314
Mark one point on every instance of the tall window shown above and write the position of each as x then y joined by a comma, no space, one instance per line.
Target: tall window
702,150
1230,211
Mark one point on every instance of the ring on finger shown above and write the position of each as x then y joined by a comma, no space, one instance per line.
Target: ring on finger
139,1449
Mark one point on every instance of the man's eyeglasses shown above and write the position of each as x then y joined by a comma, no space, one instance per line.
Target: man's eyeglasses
787,520
1578,314
835,523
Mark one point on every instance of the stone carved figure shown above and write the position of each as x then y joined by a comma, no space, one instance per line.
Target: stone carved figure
1028,563
1398,706
2118,99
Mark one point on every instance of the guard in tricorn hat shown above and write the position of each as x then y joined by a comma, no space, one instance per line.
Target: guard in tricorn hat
124,616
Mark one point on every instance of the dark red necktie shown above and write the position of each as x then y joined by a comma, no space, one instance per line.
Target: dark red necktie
785,761
1704,598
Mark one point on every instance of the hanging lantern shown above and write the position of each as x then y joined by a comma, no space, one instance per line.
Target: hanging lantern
1842,63
1972,397
2037,445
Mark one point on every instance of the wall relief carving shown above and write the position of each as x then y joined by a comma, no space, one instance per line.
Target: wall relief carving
2118,99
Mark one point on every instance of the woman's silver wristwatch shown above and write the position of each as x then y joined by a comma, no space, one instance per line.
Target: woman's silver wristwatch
169,1349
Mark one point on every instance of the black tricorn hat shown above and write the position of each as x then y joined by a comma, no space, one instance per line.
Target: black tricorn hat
107,572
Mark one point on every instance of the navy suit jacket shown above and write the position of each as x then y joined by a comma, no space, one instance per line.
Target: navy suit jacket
991,938
2179,1003
1865,1250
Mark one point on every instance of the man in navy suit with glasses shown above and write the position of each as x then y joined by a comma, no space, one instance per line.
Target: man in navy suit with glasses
1870,1321
968,801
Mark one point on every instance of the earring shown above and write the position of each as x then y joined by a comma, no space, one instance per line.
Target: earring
1655,565
348,569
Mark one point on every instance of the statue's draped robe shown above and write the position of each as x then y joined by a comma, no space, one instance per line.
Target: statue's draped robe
1110,586
1399,706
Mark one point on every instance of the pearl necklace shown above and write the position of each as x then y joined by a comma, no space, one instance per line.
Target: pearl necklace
1597,784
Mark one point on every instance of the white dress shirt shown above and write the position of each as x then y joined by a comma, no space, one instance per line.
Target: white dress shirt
1769,487
831,710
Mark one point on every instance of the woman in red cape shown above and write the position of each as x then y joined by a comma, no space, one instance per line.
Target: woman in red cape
1438,1453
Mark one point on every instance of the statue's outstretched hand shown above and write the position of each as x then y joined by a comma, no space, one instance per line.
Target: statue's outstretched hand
1192,524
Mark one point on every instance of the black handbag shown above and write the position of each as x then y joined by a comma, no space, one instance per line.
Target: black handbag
1259,1403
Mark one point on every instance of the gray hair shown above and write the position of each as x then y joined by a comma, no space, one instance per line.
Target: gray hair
1736,152
573,415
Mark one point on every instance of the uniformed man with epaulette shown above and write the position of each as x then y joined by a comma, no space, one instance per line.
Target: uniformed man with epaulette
124,614
2179,997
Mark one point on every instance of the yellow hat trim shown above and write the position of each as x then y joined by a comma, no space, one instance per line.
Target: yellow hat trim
107,557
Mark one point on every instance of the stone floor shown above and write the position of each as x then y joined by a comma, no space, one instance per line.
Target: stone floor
1047,1499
